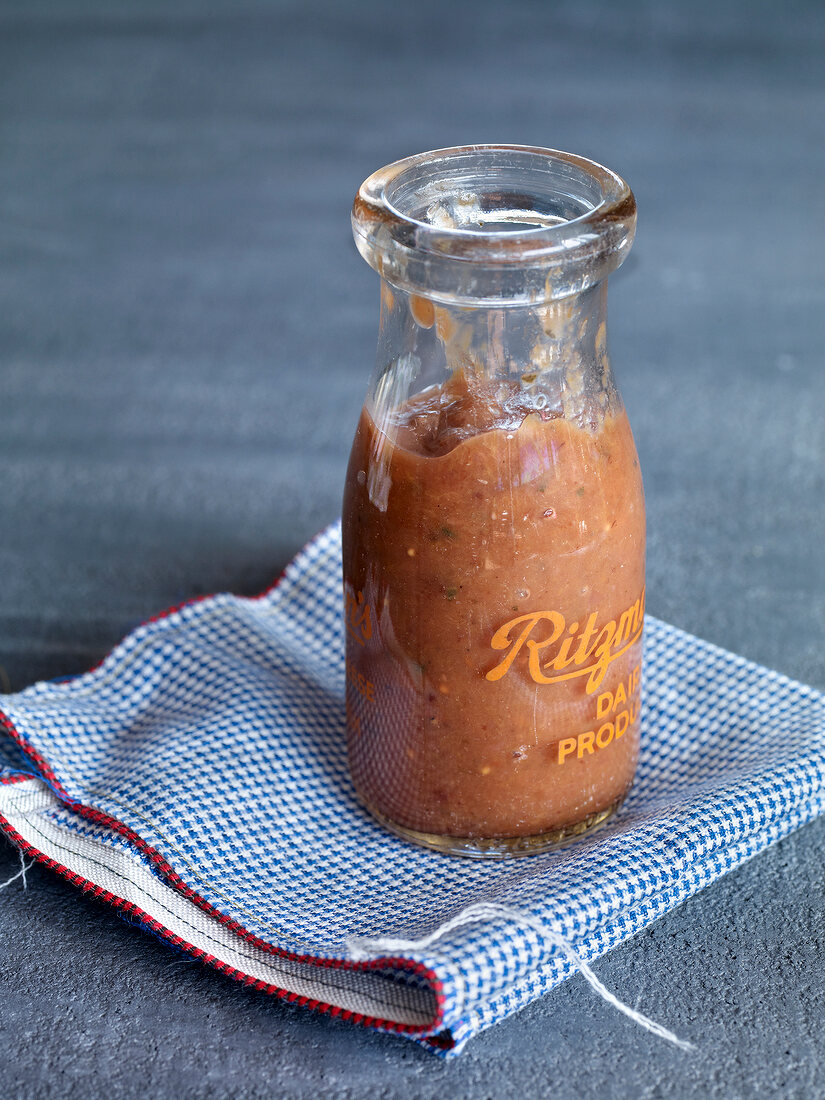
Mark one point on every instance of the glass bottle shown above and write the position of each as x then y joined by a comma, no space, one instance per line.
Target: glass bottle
493,520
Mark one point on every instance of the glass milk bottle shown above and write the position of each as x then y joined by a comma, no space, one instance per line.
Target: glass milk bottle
493,521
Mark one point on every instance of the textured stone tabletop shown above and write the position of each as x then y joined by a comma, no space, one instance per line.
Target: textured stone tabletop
186,333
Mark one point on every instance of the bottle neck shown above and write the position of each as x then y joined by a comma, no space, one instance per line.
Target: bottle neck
551,357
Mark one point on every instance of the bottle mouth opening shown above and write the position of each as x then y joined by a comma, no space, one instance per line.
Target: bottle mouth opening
515,216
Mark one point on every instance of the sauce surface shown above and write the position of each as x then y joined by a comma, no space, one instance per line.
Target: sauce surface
494,588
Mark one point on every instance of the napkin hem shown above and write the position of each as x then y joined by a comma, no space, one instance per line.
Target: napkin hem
431,1034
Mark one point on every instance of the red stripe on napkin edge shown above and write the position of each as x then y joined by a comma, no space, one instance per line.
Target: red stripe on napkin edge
442,1040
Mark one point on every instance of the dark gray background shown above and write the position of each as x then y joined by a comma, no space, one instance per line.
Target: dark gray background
186,333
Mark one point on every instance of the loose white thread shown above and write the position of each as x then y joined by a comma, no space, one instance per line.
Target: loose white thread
363,948
20,874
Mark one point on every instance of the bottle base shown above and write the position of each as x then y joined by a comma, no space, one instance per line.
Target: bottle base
498,847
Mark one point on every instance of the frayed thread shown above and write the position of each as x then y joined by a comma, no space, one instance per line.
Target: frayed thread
24,867
363,948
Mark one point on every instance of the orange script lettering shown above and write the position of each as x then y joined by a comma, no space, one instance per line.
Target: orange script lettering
552,647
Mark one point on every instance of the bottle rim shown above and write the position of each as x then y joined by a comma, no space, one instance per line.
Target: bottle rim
485,224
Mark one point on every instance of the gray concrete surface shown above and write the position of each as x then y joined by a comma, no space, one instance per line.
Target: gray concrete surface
186,333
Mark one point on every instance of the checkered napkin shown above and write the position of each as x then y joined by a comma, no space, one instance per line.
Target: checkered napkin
197,779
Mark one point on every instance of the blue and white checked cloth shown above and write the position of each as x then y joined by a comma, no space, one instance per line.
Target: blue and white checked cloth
198,780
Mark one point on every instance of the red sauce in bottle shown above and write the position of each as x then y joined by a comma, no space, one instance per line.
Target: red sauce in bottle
494,586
